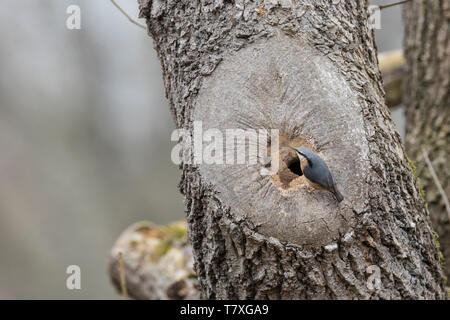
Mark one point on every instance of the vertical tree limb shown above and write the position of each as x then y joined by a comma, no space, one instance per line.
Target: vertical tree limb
427,101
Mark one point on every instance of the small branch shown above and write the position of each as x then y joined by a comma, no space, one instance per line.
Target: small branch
123,282
393,68
436,181
394,4
126,15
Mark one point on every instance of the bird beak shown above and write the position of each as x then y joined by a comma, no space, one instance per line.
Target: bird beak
296,151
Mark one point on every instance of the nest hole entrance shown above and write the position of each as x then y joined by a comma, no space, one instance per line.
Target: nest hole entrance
295,168
290,173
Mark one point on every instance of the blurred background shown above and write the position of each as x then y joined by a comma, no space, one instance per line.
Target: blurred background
85,141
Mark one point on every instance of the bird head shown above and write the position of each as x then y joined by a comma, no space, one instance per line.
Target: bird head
304,152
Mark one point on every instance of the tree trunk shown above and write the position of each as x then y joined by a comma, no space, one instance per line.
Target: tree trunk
427,100
309,69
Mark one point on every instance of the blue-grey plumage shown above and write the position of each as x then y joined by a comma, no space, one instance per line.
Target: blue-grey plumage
317,172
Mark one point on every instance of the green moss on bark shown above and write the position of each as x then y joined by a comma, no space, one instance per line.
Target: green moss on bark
416,178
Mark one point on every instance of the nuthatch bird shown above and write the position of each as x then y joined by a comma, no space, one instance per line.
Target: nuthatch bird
316,172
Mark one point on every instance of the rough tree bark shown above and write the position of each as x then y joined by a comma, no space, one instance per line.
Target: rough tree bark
308,68
427,101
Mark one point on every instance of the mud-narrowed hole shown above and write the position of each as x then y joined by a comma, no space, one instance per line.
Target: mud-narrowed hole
295,168
290,173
